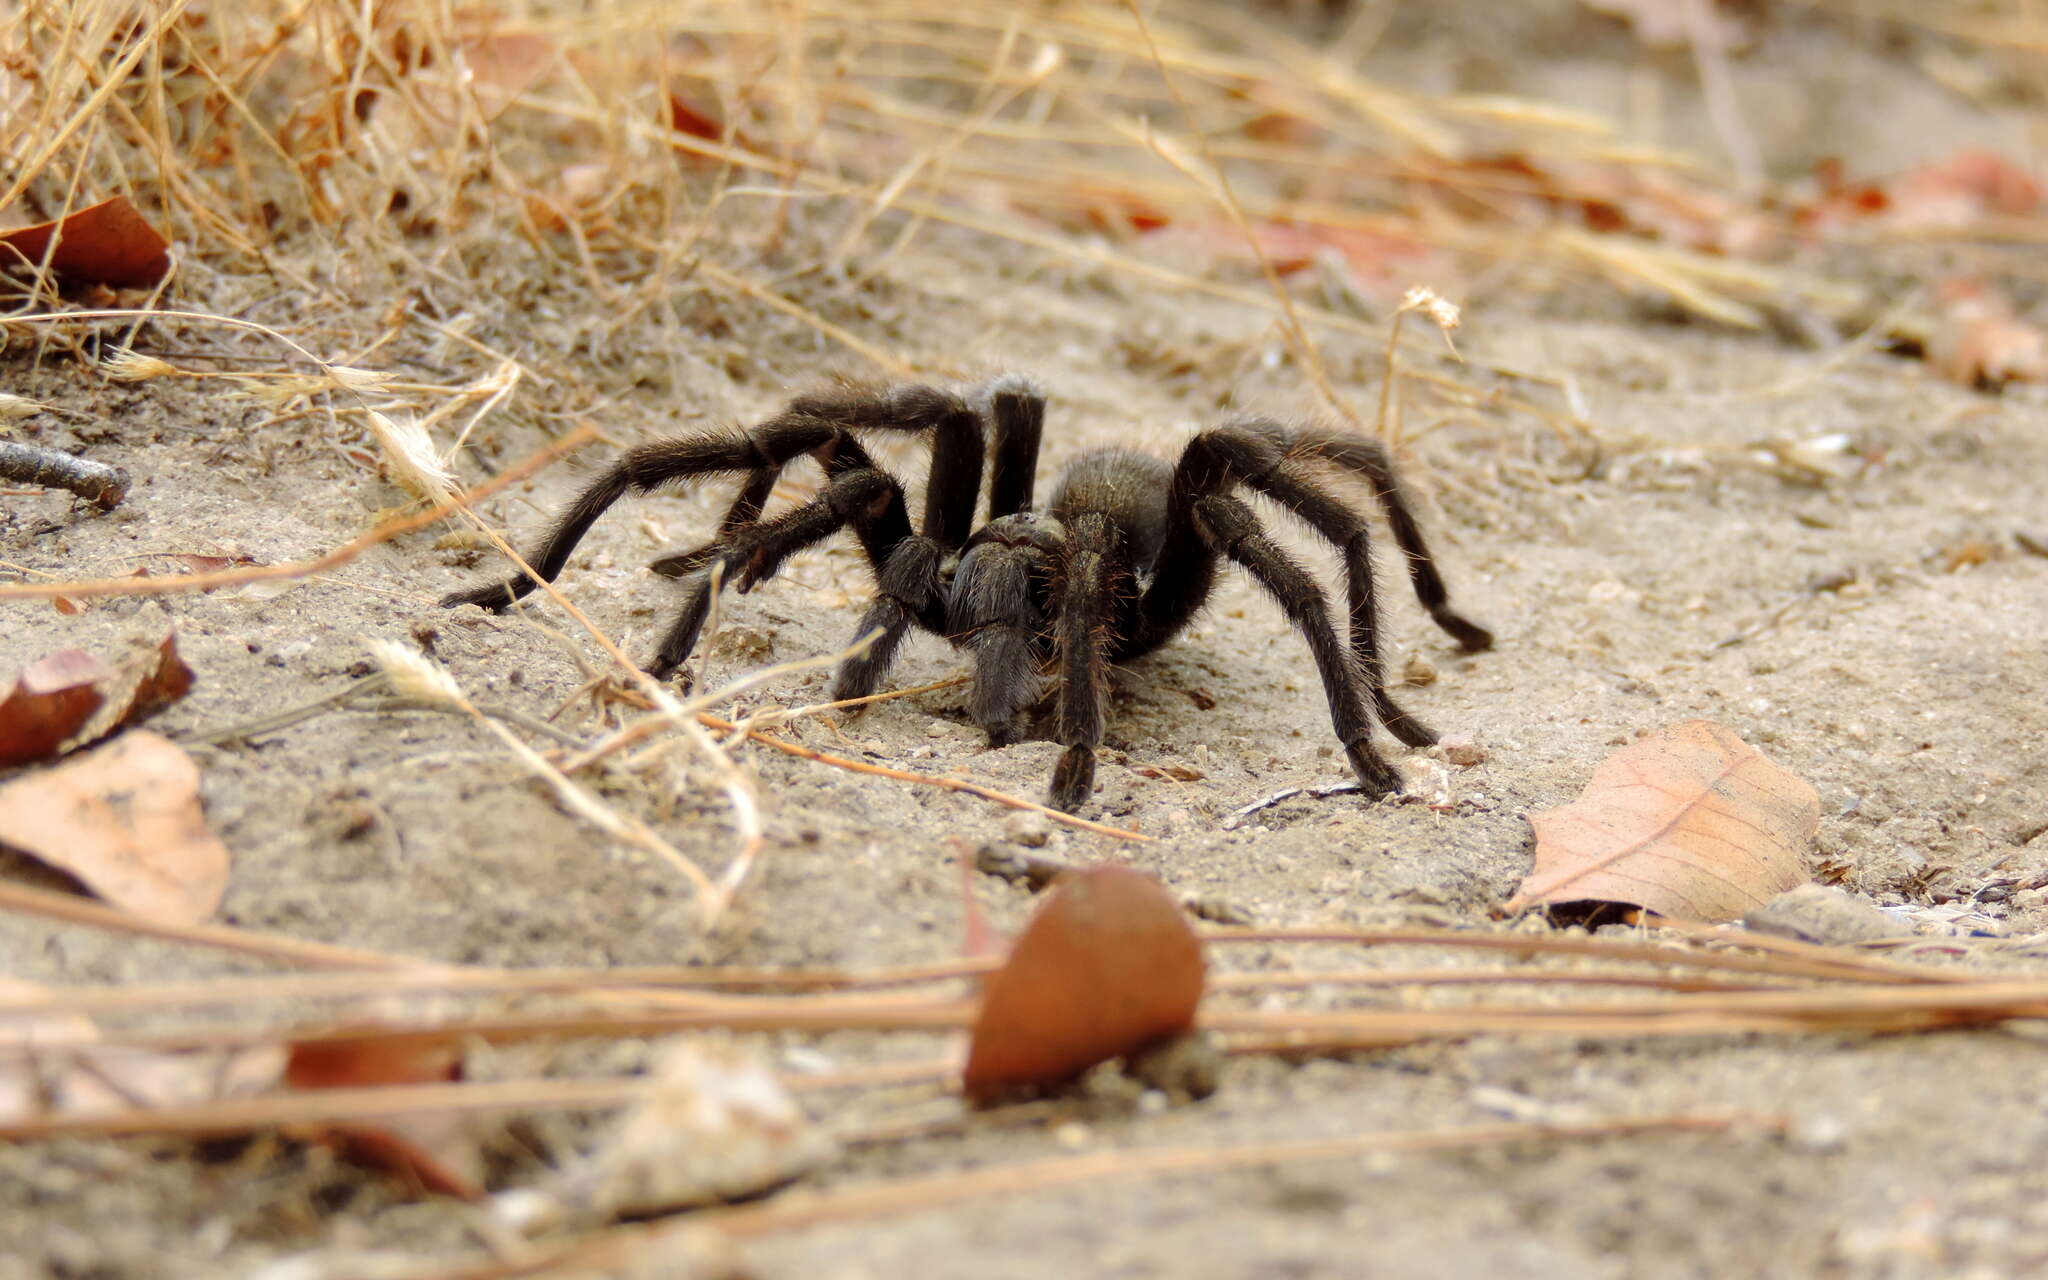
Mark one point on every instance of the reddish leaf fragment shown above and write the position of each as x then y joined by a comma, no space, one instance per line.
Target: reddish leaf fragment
1690,822
1107,966
684,118
125,820
109,243
49,703
440,1153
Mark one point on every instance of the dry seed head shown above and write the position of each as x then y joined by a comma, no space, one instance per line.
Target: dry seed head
351,378
410,458
129,365
1423,298
14,408
416,676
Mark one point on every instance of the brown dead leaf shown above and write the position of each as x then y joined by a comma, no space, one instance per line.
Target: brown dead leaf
51,700
1107,966
125,820
71,698
1690,822
441,1153
108,243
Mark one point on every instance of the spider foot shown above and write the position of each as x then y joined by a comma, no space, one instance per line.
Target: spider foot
1073,780
683,564
1471,637
497,597
1411,732
1376,778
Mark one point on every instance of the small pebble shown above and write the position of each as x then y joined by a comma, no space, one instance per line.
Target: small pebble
1418,671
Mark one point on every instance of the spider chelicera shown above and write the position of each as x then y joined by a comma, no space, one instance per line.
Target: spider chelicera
1118,562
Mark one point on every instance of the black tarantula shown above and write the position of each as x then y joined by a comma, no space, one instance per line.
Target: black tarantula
1119,561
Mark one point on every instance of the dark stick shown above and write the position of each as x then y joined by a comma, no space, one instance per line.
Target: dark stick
97,481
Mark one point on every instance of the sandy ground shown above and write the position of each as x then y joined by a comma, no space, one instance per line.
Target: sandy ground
1681,579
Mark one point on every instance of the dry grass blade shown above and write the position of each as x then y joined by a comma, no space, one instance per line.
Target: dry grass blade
926,779
1840,963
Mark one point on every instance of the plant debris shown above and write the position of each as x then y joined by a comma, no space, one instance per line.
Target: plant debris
71,698
1689,822
94,481
108,243
125,820
1107,966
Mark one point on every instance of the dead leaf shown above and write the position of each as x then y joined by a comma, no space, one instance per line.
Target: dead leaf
71,698
125,820
1107,966
442,1153
51,700
108,243
1690,822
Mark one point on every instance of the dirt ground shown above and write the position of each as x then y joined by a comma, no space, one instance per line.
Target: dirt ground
1683,577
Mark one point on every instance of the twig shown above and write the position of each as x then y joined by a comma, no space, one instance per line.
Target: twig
93,481
341,555
284,719
418,678
930,780
1831,964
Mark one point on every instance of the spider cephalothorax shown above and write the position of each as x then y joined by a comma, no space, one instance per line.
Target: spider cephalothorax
1113,567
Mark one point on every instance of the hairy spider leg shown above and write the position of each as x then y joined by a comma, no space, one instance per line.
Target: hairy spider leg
1266,458
868,498
1016,413
851,408
1232,529
1094,576
647,467
1368,458
909,586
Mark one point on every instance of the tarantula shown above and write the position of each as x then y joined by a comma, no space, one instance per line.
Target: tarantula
1112,568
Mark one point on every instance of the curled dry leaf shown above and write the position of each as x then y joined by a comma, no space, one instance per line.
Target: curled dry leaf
441,1153
1690,822
48,704
108,243
1106,967
71,698
124,819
